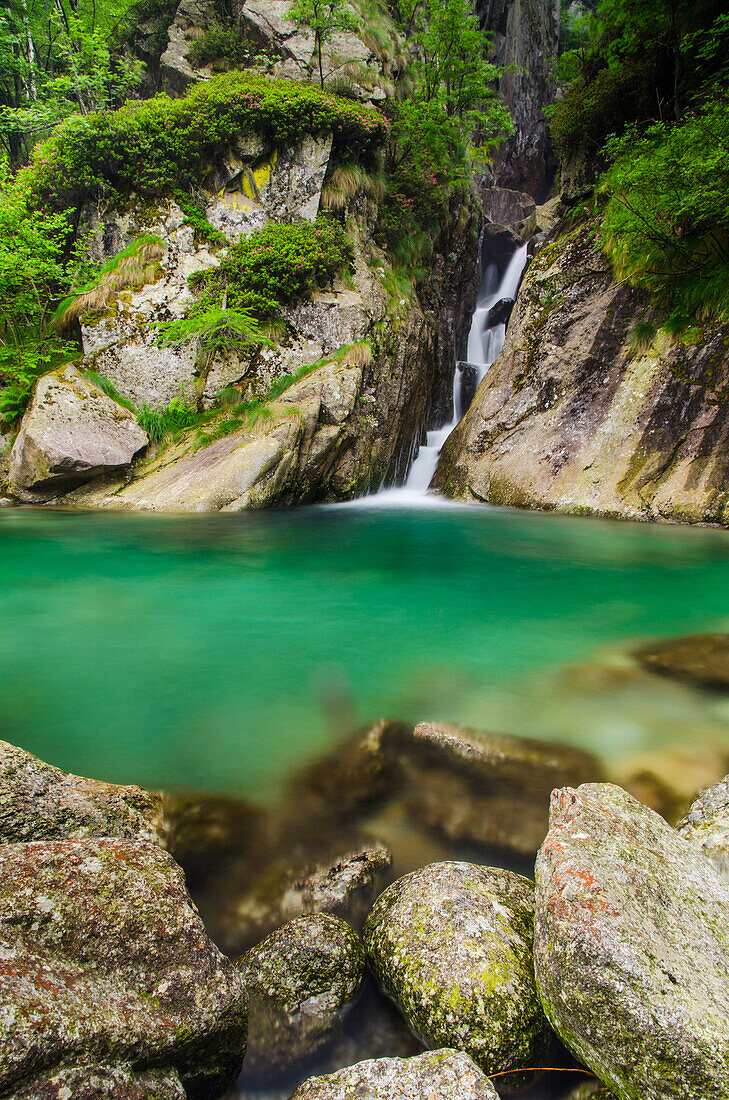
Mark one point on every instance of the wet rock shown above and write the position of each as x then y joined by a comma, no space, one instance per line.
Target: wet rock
489,788
301,981
355,775
343,884
99,1082
500,312
701,659
506,207
591,1090
40,802
707,826
437,1075
632,948
452,945
105,959
204,831
72,432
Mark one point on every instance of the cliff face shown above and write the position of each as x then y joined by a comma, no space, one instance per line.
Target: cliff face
572,417
525,41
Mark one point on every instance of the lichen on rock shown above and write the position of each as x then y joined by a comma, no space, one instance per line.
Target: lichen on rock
437,1075
452,944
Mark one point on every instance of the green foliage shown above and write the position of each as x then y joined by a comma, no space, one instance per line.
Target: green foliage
275,266
22,364
195,218
324,17
213,330
107,386
133,267
161,145
55,61
593,109
222,46
666,225
161,423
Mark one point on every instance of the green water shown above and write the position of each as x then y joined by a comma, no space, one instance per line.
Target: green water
215,652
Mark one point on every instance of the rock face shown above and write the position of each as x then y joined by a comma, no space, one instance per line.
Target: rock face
300,980
632,948
40,802
71,433
452,945
106,963
525,39
571,417
438,1075
488,788
342,884
701,659
707,826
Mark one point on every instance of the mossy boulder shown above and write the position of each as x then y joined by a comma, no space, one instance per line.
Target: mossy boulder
707,826
40,802
301,981
437,1075
105,961
632,948
452,944
103,1083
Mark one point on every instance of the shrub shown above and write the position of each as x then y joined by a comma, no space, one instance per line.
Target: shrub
156,146
593,109
275,266
666,225
220,44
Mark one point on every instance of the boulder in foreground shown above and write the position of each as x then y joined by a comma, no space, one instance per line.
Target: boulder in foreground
452,944
71,433
436,1075
40,802
632,948
300,980
105,961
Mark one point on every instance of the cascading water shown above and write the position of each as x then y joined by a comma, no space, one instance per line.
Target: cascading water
485,341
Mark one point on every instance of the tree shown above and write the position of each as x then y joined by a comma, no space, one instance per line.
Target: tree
324,17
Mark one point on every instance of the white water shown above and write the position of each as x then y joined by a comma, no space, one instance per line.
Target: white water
484,344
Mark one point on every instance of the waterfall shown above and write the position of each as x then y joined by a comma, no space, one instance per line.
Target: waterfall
485,341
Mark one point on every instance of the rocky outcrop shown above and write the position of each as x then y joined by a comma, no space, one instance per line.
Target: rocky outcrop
452,944
631,948
439,1075
707,826
40,802
106,968
489,788
572,417
525,40
301,981
71,433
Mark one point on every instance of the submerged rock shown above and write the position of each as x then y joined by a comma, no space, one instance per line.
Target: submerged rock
436,1075
40,802
701,659
99,1082
301,981
342,883
590,1090
489,788
354,775
72,432
452,944
707,826
632,948
105,960
204,831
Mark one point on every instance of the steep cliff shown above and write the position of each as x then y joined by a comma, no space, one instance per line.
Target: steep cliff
573,417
